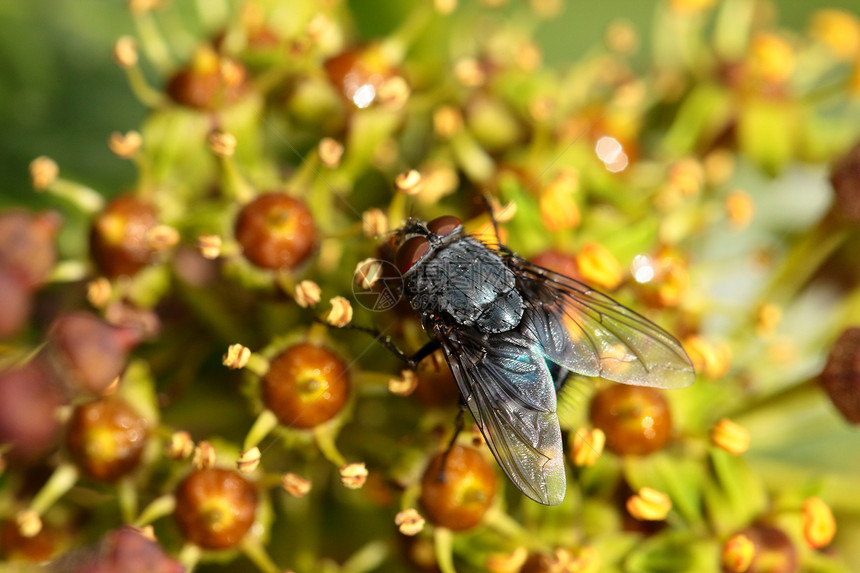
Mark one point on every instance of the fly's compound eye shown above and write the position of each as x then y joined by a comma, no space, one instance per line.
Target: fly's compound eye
444,225
411,252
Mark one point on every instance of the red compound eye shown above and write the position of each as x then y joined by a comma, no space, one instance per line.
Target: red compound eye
411,252
443,225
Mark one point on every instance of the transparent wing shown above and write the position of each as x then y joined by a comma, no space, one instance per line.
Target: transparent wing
591,334
507,387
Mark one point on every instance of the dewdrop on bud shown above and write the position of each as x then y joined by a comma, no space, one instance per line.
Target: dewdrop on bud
374,223
330,152
249,461
204,456
353,476
125,145
405,385
237,357
409,522
209,246
295,485
43,172
222,143
307,294
409,183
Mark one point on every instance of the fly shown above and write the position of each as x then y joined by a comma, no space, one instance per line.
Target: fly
511,331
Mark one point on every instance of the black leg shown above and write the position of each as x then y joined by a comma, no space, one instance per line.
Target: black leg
423,352
489,205
458,427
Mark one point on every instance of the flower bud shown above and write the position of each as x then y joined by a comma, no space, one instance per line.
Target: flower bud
731,437
649,505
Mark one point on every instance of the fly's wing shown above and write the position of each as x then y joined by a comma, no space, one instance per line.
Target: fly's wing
591,334
507,387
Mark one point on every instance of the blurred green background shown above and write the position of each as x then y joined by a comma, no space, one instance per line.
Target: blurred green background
61,94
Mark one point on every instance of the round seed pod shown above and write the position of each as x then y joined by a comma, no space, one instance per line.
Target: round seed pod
119,238
841,375
125,550
27,248
276,231
106,438
215,507
15,304
636,420
457,496
306,385
88,353
29,398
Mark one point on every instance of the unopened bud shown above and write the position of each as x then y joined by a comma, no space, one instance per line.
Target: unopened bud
738,553
731,437
507,562
296,485
330,152
249,461
649,505
307,294
237,357
162,237
374,223
29,523
43,172
819,526
587,446
180,447
368,272
405,385
209,246
125,52
222,143
99,292
353,476
125,145
341,312
409,182
409,522
204,456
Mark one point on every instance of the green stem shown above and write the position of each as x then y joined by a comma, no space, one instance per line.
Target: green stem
88,200
157,508
60,482
127,498
325,441
804,260
189,556
443,541
263,425
254,551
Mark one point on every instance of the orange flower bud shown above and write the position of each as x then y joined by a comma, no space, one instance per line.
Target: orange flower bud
649,505
819,526
599,266
587,446
738,553
731,437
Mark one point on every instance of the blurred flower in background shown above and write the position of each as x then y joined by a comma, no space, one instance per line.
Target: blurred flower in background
188,189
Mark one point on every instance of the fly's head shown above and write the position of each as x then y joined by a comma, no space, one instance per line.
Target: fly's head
416,241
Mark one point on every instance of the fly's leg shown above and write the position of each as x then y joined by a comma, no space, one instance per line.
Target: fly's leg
412,361
459,424
489,205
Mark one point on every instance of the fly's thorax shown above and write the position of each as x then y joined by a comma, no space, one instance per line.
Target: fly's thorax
468,282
